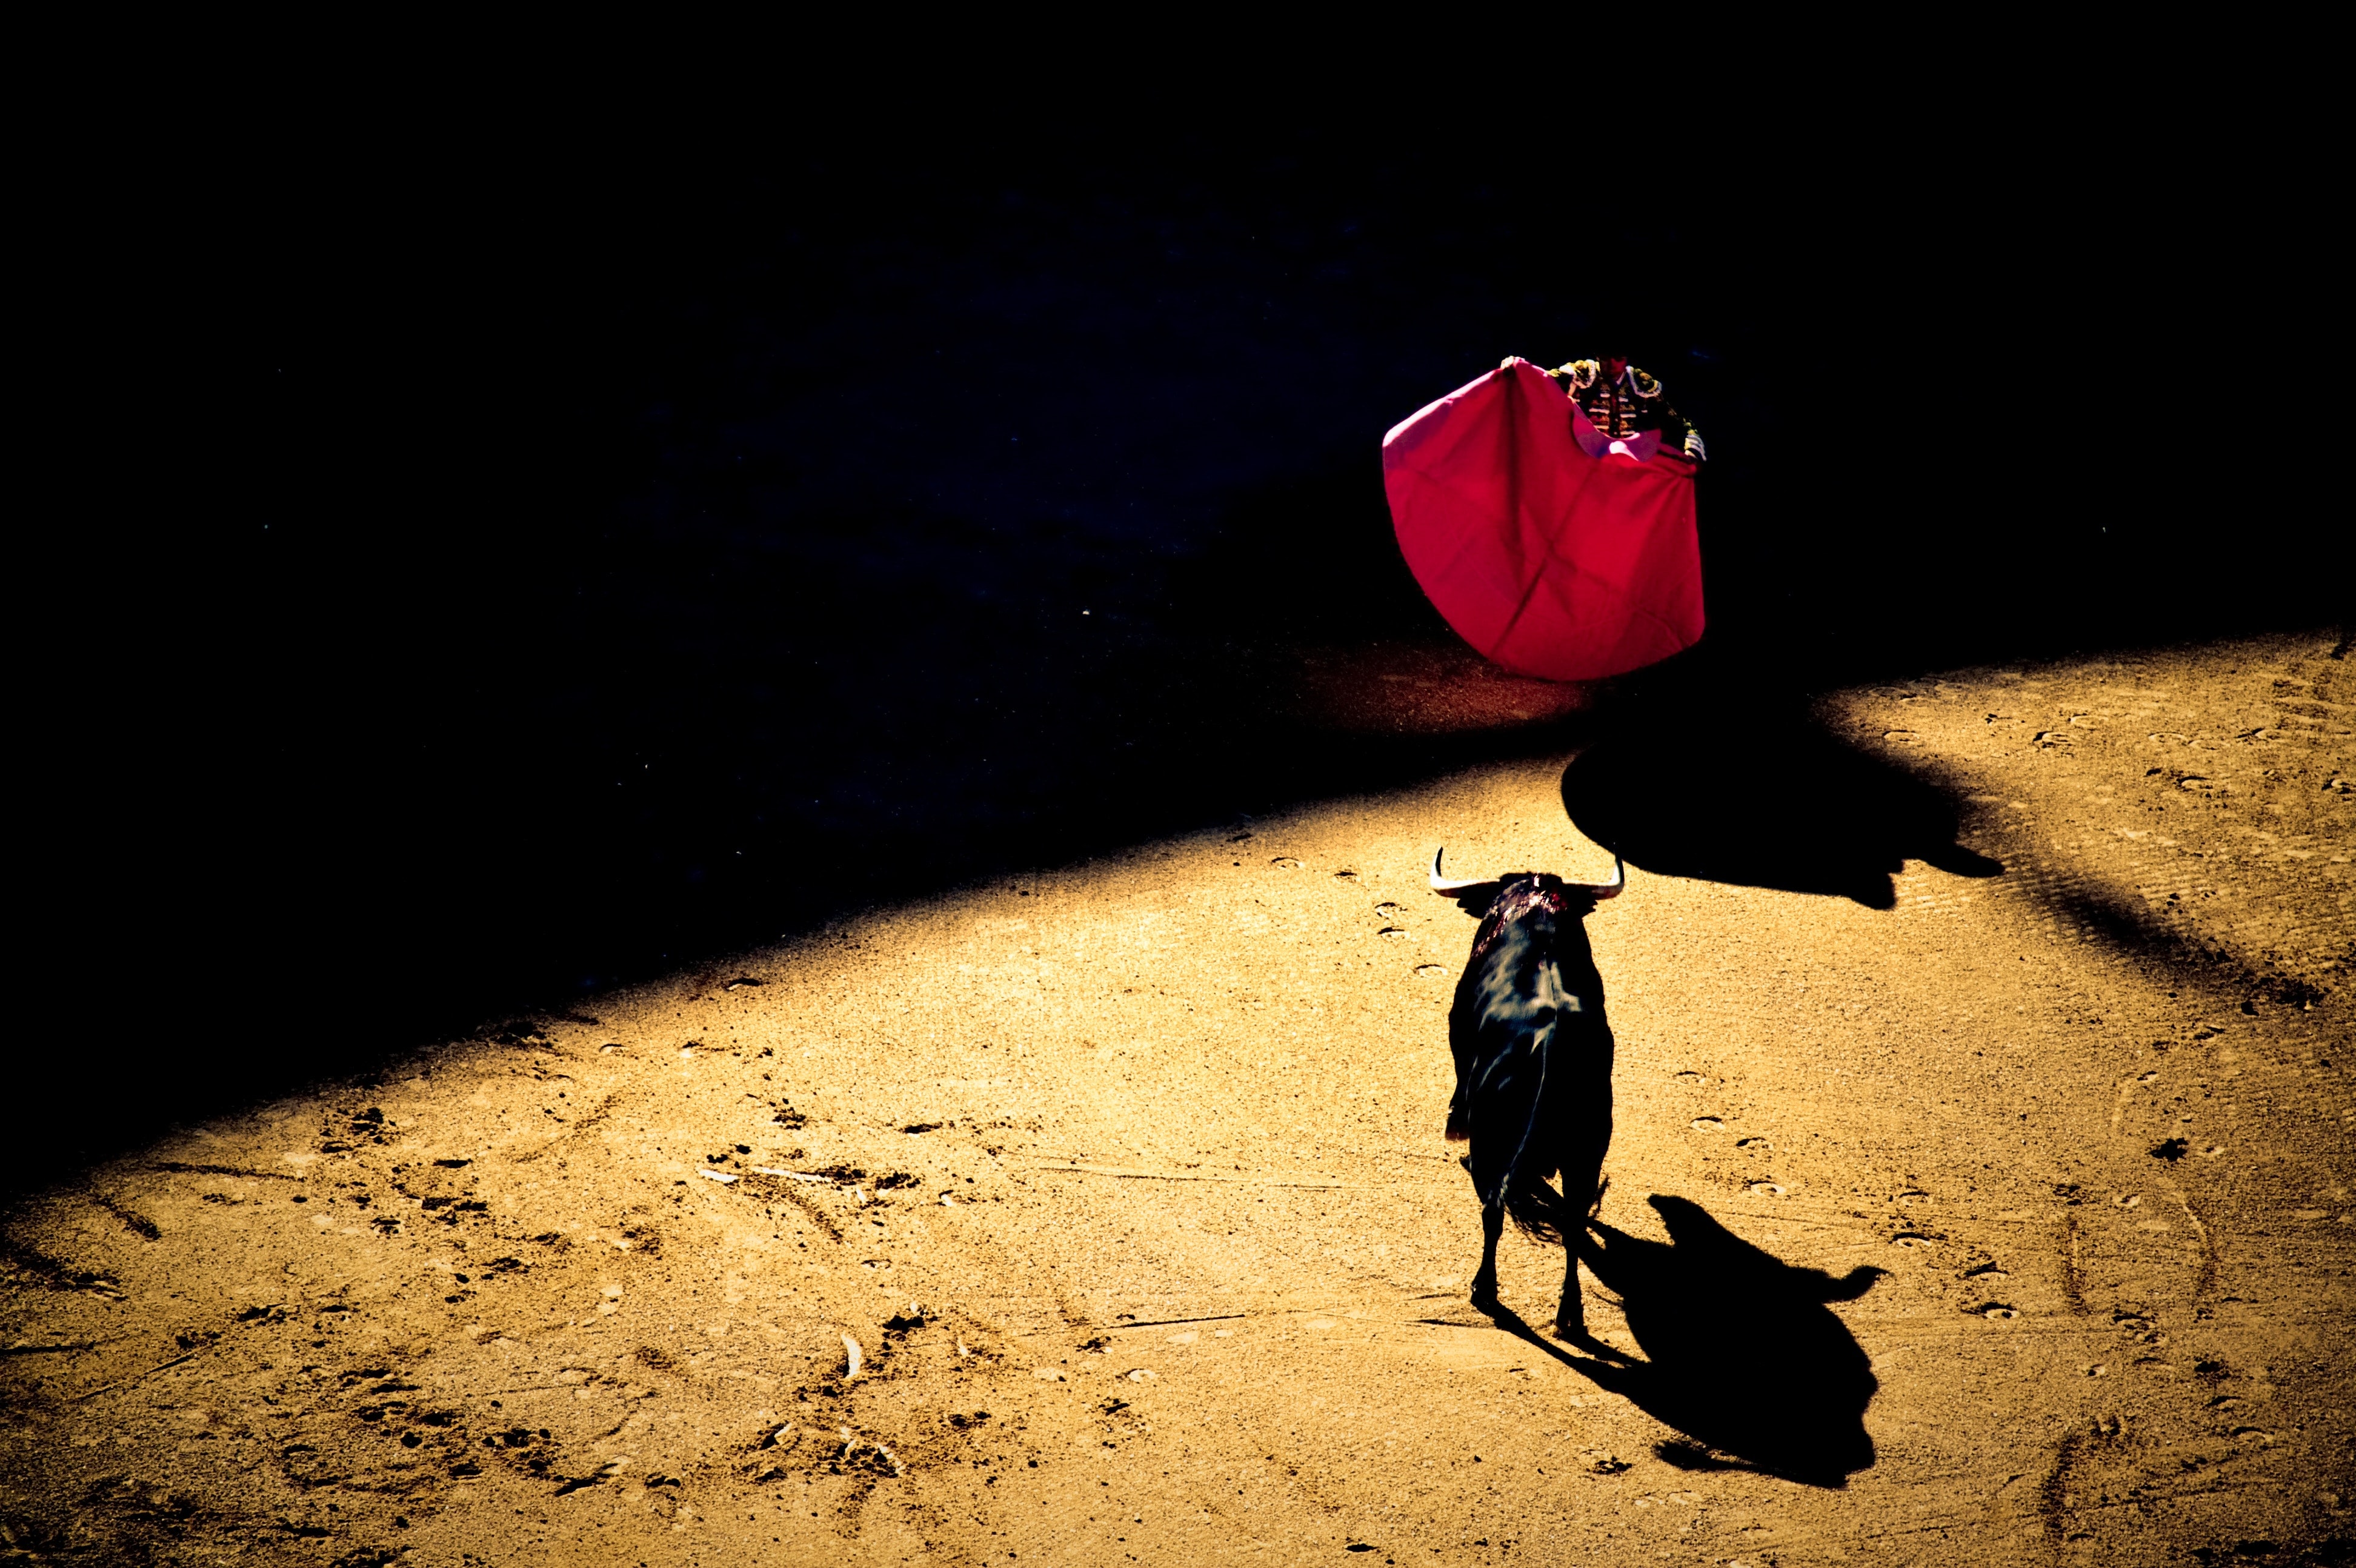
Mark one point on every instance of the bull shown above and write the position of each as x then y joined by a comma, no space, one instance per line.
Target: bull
1533,1066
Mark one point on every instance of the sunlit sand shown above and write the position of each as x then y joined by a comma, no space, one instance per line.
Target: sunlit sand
2009,1223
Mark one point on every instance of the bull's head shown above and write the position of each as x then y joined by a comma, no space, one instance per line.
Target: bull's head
1465,891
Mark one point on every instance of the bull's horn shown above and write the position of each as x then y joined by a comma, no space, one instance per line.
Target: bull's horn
1440,884
1609,889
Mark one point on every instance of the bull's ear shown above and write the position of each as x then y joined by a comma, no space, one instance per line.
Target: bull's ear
1478,898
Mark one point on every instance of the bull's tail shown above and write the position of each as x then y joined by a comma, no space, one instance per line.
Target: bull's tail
1537,1210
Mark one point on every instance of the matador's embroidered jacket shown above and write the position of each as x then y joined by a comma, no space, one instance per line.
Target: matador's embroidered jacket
1623,405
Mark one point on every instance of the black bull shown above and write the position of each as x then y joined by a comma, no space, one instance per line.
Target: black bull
1533,1067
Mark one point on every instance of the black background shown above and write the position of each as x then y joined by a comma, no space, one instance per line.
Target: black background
488,575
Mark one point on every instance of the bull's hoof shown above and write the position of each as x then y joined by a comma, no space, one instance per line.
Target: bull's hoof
1457,1133
1485,1293
1571,1328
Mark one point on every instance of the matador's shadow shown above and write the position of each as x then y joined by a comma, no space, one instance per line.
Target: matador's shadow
1741,1353
1759,797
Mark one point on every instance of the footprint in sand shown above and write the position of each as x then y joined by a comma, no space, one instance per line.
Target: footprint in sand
1708,1125
1285,863
1756,1146
1999,1312
1911,1241
1390,911
1392,931
1764,1189
1429,971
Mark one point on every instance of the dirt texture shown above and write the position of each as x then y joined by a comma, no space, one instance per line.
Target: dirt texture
1981,1193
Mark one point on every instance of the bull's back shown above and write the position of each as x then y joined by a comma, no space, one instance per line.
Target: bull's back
1538,965
1535,987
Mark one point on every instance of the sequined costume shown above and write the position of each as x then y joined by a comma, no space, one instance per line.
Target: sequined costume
1620,406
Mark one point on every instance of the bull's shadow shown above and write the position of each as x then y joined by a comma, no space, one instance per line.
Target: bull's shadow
1741,1354
1686,783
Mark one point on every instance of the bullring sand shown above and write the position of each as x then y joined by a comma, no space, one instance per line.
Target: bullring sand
1101,1215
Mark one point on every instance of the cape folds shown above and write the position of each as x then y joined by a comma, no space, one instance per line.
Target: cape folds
1552,549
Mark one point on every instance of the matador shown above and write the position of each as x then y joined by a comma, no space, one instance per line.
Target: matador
1558,541
1619,401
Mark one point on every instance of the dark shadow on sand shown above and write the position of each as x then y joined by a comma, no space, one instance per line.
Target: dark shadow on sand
625,573
1712,765
1729,787
1740,1353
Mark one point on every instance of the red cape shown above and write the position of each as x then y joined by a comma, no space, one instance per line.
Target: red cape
1553,551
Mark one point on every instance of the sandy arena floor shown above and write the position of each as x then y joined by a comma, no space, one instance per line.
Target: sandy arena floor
2009,1223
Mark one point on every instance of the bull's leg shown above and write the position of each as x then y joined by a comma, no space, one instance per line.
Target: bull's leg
1460,1046
1582,1188
1484,1283
1570,1318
